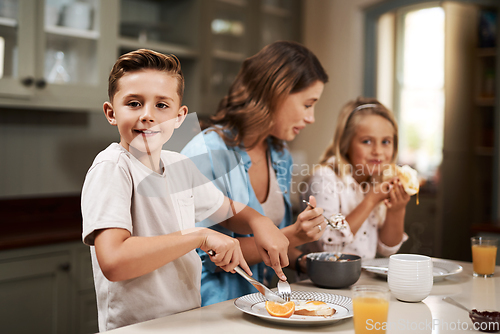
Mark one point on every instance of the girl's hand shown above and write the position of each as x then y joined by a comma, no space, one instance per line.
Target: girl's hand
380,191
227,250
398,198
310,223
272,245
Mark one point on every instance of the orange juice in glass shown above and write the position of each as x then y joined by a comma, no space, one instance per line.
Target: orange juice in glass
370,304
484,254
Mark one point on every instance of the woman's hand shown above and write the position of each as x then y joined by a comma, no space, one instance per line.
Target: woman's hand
398,198
309,226
272,245
227,251
270,242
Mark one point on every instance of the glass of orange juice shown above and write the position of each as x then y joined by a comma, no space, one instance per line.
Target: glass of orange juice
484,254
370,305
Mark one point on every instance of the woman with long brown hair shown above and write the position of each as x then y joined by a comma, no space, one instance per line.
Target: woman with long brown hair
271,100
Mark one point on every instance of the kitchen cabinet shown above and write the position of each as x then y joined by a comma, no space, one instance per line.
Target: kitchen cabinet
210,37
53,53
239,29
57,54
170,27
47,289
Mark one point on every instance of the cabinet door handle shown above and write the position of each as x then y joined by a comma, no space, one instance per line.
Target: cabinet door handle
65,266
28,81
41,83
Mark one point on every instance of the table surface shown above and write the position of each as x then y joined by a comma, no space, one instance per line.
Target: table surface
432,315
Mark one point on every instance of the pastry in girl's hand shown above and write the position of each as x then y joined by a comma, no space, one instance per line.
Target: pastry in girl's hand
407,175
313,308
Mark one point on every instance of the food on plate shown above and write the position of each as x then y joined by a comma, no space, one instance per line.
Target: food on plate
313,308
280,310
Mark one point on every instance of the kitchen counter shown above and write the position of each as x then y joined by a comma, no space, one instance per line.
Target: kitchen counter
432,315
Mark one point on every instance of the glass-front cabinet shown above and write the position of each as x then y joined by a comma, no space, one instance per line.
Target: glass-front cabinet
57,54
229,43
167,26
52,54
15,79
239,29
279,21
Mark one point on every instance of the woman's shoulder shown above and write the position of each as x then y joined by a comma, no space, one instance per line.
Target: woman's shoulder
208,139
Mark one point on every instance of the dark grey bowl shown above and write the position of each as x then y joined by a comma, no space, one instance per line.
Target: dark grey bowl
333,274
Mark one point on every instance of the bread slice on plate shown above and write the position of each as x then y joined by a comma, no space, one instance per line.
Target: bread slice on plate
313,308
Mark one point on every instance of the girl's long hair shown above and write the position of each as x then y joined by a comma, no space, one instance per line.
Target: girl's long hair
263,82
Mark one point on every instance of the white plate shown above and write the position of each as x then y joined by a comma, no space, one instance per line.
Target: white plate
255,304
441,268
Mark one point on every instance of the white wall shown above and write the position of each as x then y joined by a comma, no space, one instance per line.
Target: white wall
333,30
49,152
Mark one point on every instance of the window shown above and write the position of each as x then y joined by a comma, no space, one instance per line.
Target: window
417,97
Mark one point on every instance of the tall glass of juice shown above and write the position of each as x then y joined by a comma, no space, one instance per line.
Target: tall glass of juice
370,305
484,255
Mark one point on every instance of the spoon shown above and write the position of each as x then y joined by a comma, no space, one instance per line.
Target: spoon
338,222
489,319
454,302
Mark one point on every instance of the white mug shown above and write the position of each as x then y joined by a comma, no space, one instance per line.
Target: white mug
77,15
410,276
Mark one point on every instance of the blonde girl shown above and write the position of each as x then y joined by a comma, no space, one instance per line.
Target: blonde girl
347,182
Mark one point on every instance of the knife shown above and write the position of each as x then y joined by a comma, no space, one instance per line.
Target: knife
378,270
268,294
264,290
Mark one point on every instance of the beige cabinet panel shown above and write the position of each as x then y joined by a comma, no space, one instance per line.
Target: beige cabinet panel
34,291
46,290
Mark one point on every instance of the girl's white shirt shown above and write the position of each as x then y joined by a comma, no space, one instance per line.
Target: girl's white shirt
342,195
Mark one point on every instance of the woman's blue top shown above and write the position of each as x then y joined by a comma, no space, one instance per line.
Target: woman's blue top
227,167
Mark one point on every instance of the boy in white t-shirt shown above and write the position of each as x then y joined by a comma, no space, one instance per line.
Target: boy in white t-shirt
140,204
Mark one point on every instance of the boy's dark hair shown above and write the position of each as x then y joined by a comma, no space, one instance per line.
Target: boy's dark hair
145,59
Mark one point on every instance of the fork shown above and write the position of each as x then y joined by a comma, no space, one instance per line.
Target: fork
338,222
282,296
284,290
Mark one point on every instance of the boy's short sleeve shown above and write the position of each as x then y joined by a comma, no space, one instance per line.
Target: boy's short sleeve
106,199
